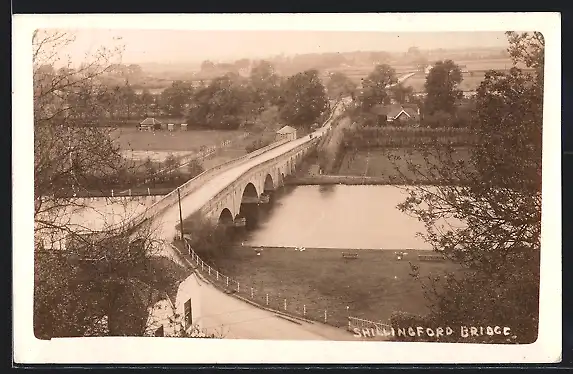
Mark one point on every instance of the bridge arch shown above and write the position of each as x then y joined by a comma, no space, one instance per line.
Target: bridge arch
269,183
249,205
249,191
225,217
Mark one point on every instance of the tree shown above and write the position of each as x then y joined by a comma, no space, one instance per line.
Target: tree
303,99
243,63
146,100
441,87
92,274
376,86
340,85
207,66
175,98
496,194
264,81
402,94
220,105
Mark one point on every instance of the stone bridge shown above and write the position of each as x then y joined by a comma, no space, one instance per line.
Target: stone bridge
230,193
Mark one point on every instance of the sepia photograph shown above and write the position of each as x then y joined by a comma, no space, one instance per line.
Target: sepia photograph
301,185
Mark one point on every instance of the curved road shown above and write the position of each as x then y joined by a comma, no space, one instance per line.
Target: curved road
224,314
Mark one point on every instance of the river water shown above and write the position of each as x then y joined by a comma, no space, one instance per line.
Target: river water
338,216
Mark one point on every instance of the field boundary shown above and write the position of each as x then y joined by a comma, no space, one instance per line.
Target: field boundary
232,287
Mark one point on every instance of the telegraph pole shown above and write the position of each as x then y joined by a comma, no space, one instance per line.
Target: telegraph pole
180,214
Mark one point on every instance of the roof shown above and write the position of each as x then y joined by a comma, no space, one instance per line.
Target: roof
286,130
393,111
150,121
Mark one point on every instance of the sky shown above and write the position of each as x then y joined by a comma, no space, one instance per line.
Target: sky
173,46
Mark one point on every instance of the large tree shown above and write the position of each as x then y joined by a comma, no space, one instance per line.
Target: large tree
264,82
83,275
441,86
376,86
496,196
339,85
175,98
303,99
221,105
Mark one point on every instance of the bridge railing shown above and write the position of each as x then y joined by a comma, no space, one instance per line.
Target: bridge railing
193,184
307,144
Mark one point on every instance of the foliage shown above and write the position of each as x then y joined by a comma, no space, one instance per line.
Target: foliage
303,99
375,87
366,137
207,239
95,276
402,94
441,87
265,83
174,98
220,105
339,85
499,240
258,144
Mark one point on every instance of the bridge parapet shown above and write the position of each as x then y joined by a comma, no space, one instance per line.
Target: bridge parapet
193,184
213,204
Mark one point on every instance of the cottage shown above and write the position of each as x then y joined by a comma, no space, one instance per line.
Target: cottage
398,114
170,126
183,127
286,132
149,124
169,313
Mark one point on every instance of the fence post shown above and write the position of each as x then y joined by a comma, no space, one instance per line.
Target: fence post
238,287
217,275
285,304
197,258
325,316
304,310
251,292
111,193
267,299
202,263
227,281
209,269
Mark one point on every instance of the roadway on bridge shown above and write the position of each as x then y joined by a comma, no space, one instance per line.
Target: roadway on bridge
224,314
169,218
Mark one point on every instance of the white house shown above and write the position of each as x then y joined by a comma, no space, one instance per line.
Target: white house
286,132
167,318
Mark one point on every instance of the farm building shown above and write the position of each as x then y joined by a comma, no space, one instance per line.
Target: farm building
149,124
286,132
398,114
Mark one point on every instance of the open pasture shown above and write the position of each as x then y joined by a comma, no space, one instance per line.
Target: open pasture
171,141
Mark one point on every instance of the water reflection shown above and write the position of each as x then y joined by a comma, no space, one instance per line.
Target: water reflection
338,216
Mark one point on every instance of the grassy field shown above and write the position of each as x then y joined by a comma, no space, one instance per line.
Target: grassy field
470,82
378,163
372,286
176,141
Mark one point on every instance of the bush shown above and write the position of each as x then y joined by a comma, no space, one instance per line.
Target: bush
374,137
259,143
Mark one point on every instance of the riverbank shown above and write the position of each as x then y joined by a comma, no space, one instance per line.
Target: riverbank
372,286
